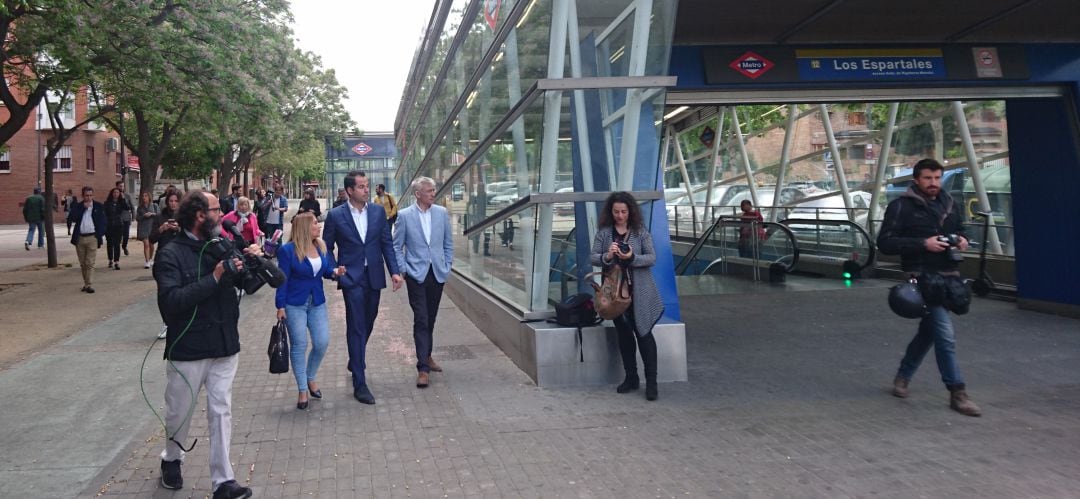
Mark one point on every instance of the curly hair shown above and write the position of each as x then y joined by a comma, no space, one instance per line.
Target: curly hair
634,222
190,206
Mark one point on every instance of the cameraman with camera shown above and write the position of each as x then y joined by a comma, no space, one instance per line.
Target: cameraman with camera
197,276
924,228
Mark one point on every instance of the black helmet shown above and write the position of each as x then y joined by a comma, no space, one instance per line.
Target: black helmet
906,300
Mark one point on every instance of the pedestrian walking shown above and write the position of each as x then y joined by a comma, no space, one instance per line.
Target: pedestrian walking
244,220
68,202
302,304
145,215
623,241
914,227
34,214
384,199
89,220
424,246
198,299
115,206
126,216
165,227
310,204
361,235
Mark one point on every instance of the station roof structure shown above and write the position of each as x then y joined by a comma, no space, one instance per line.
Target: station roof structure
804,22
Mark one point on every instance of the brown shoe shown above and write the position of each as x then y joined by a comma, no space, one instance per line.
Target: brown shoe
900,387
959,402
433,366
422,380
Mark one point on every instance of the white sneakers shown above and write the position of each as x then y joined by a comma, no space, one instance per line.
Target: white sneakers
148,264
164,331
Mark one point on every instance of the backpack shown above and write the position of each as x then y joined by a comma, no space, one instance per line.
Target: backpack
577,311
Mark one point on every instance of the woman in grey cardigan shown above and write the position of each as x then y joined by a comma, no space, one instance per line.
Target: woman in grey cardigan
622,240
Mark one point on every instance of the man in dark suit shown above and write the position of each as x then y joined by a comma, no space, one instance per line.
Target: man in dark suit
88,217
362,236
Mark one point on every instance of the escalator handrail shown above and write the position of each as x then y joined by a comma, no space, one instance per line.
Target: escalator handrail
871,256
726,220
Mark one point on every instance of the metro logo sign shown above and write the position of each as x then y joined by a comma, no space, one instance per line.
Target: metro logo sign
361,149
751,65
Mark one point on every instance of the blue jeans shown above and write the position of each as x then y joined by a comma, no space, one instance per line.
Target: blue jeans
935,329
302,320
40,226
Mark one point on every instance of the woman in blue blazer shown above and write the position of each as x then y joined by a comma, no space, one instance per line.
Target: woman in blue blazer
301,302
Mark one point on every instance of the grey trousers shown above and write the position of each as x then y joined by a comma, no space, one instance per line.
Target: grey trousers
217,375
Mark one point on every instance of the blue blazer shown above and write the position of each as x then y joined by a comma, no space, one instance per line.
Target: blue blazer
414,254
300,279
376,248
98,215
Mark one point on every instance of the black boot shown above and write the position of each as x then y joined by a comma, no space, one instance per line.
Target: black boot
647,344
628,352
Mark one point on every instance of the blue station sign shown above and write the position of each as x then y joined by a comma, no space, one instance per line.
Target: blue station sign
870,64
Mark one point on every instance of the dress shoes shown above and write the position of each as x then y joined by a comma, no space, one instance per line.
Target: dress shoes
363,395
302,405
422,380
433,366
315,394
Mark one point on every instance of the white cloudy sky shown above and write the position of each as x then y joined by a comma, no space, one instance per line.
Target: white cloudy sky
369,44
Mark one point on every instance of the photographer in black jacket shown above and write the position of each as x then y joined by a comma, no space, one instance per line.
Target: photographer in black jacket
198,299
924,228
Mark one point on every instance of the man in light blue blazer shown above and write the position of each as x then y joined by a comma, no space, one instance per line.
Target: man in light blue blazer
424,245
359,231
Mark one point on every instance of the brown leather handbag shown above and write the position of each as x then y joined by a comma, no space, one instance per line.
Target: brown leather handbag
613,293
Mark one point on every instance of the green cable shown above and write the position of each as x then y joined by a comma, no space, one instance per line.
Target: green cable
168,357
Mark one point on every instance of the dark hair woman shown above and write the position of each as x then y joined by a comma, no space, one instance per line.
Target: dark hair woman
622,240
310,204
165,225
115,206
145,215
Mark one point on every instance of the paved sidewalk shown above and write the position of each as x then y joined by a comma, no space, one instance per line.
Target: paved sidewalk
788,396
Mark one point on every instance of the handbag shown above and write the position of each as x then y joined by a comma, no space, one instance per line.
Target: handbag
278,351
613,293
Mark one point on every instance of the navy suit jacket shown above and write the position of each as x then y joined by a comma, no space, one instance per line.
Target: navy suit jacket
377,247
98,215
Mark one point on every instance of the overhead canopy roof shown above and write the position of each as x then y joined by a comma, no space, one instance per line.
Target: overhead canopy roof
766,22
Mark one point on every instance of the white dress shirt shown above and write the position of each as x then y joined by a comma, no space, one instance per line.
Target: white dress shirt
86,225
425,222
316,265
359,218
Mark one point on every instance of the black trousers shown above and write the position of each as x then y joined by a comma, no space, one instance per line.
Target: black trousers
424,298
114,235
625,326
127,234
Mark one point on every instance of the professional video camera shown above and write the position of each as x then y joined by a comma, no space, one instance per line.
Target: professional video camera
256,272
952,252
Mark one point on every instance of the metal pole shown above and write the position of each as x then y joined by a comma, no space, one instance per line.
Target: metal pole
745,158
715,155
883,161
584,144
841,178
632,117
686,179
976,171
785,160
538,296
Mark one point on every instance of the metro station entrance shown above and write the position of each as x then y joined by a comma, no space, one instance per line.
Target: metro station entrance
821,170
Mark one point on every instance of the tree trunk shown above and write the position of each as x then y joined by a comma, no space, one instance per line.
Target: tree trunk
50,234
939,140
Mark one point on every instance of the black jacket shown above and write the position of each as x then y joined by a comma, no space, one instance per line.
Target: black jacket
912,218
114,212
311,205
213,332
156,236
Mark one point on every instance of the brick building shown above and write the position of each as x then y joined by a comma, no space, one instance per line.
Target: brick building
91,156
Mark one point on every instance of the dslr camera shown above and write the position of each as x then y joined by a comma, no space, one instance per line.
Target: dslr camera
952,252
624,248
